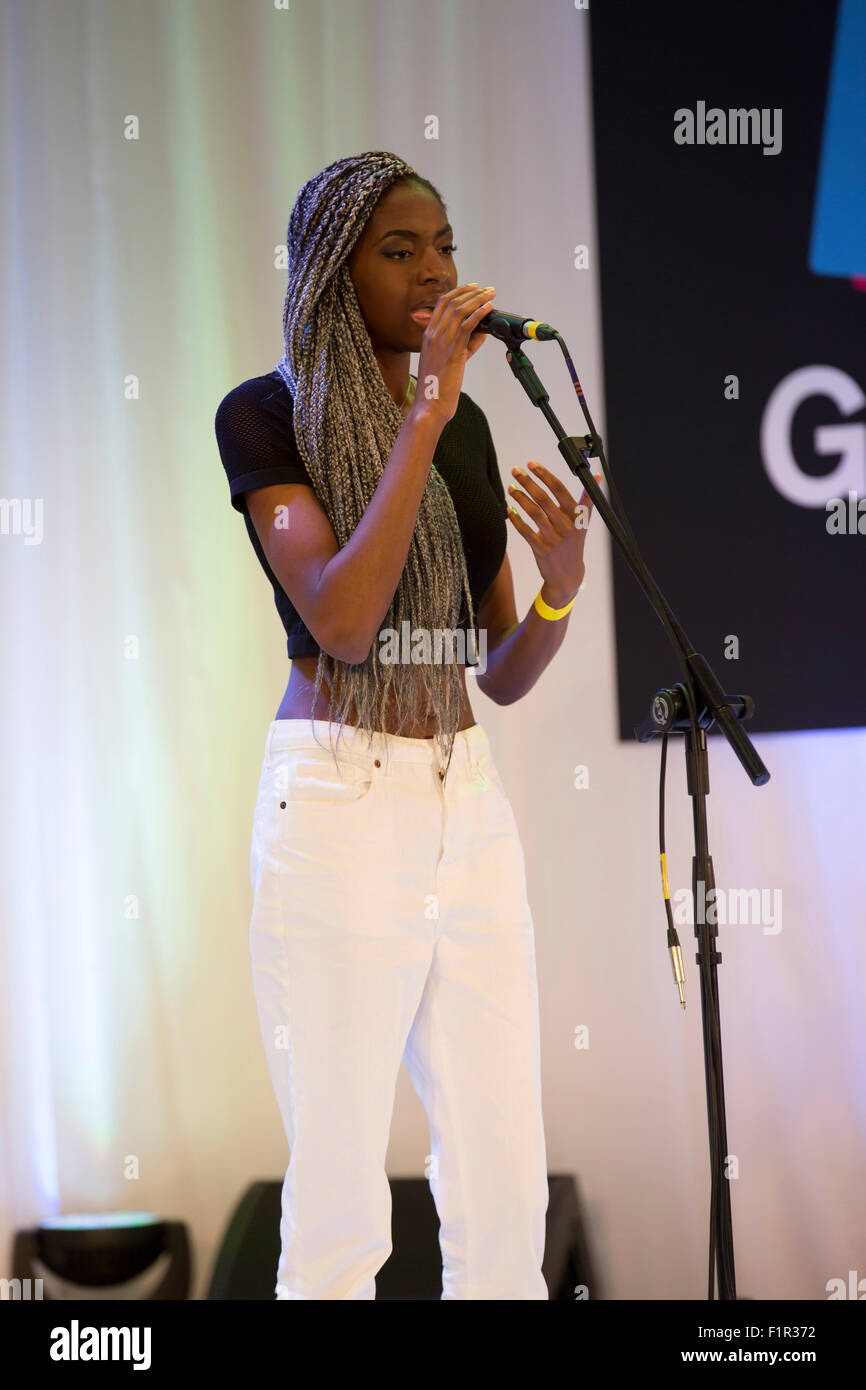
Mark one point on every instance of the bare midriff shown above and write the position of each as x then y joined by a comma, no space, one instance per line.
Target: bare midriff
298,700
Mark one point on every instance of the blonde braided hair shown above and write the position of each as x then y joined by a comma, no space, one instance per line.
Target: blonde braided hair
346,424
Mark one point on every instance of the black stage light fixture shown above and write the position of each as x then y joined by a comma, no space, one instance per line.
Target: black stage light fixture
113,1255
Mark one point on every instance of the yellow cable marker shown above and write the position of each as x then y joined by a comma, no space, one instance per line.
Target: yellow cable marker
663,857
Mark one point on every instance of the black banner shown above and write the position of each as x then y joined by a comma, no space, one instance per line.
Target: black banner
730,149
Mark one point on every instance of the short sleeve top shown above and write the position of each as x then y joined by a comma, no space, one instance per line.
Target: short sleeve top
257,445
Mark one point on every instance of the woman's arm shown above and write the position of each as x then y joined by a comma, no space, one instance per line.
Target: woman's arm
343,594
340,593
517,653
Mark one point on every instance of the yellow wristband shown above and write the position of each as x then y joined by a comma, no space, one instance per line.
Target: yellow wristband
552,613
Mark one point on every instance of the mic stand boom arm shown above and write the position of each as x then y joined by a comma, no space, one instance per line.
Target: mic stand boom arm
576,450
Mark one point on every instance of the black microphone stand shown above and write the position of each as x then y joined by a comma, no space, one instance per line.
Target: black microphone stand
704,701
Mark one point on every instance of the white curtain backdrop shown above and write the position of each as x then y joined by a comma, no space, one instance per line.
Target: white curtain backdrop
151,154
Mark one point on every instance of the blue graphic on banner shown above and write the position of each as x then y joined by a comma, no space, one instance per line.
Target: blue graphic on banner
839,222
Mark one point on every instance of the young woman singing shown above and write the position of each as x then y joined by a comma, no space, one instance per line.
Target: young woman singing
390,917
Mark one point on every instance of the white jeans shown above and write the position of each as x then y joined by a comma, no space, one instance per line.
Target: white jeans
391,921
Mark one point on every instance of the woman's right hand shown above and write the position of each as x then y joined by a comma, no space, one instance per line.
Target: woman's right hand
448,344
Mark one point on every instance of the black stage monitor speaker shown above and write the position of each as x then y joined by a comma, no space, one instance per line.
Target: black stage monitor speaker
246,1266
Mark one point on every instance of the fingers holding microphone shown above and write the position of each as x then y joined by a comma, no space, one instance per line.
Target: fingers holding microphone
446,345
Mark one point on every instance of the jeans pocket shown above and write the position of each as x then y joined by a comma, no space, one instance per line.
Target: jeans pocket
488,771
312,780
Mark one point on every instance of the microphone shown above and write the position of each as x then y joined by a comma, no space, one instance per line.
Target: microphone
507,326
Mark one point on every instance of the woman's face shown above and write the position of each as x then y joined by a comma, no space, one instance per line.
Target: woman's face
402,258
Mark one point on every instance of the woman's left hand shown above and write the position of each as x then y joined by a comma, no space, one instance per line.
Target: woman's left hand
558,543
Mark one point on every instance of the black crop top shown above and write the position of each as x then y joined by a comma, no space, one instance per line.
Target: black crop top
257,446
